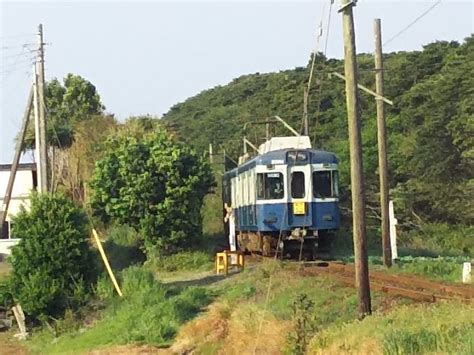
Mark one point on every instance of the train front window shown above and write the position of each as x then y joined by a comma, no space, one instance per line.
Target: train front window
270,186
297,184
325,183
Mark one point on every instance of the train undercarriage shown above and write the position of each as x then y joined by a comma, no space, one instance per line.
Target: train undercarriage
292,245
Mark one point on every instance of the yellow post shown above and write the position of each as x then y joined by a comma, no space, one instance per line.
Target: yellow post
106,262
241,260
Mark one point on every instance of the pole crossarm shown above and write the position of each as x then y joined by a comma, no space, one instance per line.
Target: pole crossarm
363,88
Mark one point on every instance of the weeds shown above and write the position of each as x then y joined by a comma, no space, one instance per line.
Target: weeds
455,340
304,325
183,261
445,328
441,268
150,312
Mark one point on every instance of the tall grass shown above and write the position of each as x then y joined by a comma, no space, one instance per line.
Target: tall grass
440,268
454,340
183,261
441,238
150,312
446,328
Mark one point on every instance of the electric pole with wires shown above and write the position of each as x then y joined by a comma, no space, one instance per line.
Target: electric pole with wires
357,176
42,140
382,144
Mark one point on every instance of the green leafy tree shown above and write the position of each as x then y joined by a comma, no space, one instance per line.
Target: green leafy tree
438,118
74,101
53,265
153,184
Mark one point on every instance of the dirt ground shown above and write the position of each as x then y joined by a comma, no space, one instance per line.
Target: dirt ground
9,345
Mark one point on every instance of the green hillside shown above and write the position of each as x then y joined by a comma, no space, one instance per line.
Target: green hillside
430,126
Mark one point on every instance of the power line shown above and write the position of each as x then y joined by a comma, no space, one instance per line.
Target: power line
304,120
18,36
413,22
19,63
16,46
24,51
320,92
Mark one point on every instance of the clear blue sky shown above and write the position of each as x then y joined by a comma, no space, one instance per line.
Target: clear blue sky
144,57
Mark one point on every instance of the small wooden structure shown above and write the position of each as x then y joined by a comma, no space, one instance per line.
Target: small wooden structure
229,258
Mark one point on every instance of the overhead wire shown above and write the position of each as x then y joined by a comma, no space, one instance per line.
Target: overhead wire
311,71
320,92
418,18
16,46
18,36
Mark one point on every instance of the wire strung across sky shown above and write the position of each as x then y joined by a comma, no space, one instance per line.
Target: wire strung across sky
412,23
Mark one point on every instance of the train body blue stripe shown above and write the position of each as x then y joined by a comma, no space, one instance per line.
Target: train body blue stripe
273,217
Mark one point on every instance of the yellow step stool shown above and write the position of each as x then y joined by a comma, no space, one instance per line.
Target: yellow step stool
223,263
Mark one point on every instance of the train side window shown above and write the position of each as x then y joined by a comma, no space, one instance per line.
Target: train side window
297,184
322,186
270,186
335,183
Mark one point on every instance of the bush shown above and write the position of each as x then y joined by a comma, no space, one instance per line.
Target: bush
441,238
440,268
52,266
153,184
6,298
123,247
150,312
186,260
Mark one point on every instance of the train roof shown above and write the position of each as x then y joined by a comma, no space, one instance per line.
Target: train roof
280,157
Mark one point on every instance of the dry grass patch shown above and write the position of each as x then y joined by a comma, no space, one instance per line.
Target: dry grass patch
229,330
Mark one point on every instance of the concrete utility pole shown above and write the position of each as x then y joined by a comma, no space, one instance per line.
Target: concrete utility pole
38,144
382,143
43,143
357,176
16,159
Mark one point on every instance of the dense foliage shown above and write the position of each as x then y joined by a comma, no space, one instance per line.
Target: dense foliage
430,125
75,100
154,184
53,265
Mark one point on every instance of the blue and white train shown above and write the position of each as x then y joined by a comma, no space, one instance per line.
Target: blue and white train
285,199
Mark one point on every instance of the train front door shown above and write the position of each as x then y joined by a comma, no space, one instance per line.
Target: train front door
299,196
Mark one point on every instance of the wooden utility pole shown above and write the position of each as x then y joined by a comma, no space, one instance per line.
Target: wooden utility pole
357,176
43,143
16,158
305,112
382,143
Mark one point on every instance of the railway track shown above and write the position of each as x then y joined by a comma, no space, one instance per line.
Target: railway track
413,287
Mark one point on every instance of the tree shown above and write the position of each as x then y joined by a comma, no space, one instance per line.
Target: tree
74,101
438,117
53,265
153,184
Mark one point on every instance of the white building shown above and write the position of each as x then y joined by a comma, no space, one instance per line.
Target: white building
25,182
